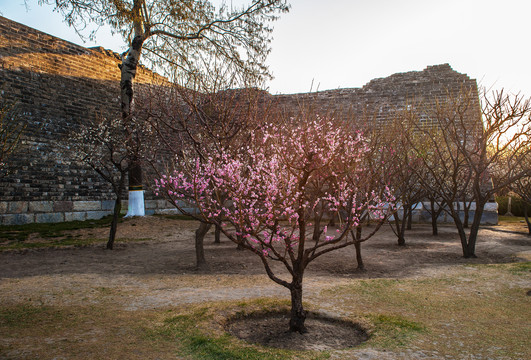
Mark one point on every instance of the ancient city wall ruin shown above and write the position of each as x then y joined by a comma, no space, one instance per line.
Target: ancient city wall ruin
57,85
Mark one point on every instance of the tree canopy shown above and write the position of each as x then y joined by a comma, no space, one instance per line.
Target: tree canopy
190,35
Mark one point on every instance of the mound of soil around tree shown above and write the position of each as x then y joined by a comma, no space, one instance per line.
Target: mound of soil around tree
271,329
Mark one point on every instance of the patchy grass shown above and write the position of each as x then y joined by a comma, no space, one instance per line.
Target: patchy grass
49,230
53,235
176,217
474,311
482,310
63,242
200,332
510,219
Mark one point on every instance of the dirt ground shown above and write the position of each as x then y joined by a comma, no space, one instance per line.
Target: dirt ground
159,270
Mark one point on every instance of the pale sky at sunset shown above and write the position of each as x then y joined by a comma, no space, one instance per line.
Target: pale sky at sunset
342,43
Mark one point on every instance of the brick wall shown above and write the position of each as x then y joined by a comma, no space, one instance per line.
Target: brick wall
377,99
57,85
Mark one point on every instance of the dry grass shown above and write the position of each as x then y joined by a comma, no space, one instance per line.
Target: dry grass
479,311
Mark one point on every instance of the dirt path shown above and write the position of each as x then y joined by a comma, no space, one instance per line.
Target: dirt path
161,271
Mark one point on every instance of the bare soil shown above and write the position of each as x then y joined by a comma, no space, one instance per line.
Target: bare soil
159,271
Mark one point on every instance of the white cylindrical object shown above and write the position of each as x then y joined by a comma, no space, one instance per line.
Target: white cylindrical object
135,206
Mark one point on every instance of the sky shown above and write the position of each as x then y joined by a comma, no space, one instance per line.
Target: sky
321,45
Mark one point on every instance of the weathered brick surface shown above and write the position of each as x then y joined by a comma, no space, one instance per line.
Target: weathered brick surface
87,205
40,206
56,85
49,218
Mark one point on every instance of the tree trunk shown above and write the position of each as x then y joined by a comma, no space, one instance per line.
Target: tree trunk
357,246
298,314
199,249
434,215
466,210
114,223
527,218
469,250
217,235
128,71
400,229
409,217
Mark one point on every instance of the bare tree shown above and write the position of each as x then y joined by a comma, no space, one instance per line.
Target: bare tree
466,146
522,187
405,170
180,38
105,146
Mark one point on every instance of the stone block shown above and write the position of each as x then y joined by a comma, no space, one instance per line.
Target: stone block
95,215
17,207
149,212
489,218
49,218
173,211
76,216
17,219
108,205
3,207
87,205
164,204
63,206
40,207
151,204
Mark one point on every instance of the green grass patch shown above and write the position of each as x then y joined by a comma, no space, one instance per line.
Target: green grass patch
200,334
27,316
519,268
510,219
391,331
176,217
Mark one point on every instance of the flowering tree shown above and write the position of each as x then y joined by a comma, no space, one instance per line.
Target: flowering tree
202,121
275,195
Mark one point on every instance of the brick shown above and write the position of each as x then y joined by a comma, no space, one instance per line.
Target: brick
150,204
107,205
95,215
